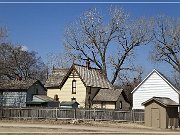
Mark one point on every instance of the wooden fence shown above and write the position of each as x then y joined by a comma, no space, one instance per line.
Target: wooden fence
56,113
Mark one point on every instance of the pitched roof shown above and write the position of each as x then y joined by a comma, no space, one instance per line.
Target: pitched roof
162,100
108,95
56,77
92,77
162,76
68,103
45,98
16,84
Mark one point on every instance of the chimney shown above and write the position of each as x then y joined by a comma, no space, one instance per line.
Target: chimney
56,97
88,64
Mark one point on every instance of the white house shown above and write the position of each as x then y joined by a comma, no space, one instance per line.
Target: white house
154,85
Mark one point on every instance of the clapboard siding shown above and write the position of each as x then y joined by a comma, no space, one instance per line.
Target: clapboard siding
66,91
14,99
154,85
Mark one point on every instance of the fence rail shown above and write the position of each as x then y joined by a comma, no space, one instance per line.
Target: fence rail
56,113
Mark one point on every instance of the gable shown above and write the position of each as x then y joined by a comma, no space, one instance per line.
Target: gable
154,85
89,76
157,81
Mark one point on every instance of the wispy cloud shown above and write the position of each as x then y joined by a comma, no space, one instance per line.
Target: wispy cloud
24,48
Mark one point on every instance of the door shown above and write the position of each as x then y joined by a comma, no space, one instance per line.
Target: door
155,118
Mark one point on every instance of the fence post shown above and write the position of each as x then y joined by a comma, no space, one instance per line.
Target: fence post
74,113
19,113
94,114
56,114
132,115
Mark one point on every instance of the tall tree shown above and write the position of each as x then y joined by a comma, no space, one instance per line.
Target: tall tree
106,42
167,41
16,62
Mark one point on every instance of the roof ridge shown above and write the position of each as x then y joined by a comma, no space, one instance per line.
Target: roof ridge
85,66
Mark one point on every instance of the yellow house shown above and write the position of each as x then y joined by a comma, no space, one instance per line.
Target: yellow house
79,83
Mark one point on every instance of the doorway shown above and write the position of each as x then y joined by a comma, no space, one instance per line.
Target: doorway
155,117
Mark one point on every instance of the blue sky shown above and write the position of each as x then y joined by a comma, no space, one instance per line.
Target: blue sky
40,26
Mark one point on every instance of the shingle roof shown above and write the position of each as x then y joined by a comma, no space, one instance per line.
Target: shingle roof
45,98
56,77
107,95
92,77
16,84
162,100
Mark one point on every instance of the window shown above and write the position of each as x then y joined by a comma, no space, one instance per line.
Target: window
73,99
120,105
36,92
74,87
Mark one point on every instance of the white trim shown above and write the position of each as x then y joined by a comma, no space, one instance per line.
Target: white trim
154,70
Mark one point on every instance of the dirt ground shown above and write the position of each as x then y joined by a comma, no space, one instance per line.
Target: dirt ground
17,127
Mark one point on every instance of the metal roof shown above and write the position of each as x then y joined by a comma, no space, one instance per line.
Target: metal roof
56,77
92,77
108,95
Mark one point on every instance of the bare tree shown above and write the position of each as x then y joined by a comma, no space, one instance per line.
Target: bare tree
106,43
167,41
15,62
58,60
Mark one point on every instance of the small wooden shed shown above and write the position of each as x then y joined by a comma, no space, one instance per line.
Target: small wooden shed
161,112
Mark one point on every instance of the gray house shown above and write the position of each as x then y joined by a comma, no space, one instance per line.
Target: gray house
15,93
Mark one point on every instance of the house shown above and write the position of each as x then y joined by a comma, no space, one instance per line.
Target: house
111,99
16,93
161,112
85,85
80,83
154,85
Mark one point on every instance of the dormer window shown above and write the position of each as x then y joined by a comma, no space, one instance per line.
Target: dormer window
73,86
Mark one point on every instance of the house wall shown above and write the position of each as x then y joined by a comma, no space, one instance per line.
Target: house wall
66,91
13,98
104,105
53,91
97,105
153,86
125,105
35,89
148,114
94,91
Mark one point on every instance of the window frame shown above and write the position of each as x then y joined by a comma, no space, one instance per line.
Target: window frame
74,86
120,105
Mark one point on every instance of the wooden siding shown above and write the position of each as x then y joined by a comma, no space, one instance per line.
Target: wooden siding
13,99
35,89
104,105
153,86
53,91
124,106
91,95
161,117
66,90
65,93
